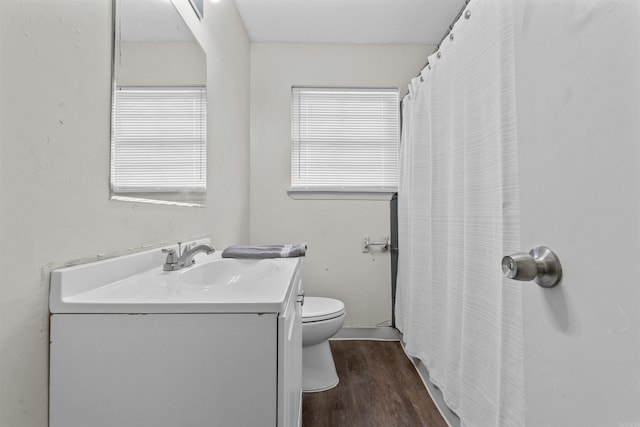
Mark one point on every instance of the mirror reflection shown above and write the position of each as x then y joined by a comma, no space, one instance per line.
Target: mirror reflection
158,117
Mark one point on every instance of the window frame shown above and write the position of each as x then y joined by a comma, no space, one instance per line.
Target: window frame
341,191
180,195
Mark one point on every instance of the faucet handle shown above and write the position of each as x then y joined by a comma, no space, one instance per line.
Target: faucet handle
171,255
172,260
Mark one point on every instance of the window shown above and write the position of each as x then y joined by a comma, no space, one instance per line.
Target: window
344,140
158,141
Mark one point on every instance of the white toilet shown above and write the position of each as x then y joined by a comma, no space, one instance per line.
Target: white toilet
322,318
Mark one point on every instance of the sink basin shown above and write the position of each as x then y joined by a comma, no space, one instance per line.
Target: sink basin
225,272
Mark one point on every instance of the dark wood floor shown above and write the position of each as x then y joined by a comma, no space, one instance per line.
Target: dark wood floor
378,387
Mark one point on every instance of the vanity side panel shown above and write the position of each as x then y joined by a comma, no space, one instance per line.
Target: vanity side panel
290,356
163,370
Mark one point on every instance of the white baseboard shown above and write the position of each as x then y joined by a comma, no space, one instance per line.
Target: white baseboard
383,333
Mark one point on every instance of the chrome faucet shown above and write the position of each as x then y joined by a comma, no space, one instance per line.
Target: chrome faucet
182,259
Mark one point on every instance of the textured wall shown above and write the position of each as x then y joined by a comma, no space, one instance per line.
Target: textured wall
55,78
335,265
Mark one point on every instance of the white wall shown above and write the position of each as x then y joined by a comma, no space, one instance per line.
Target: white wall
334,266
160,64
55,80
578,90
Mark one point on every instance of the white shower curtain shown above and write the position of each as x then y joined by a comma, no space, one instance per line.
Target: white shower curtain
458,215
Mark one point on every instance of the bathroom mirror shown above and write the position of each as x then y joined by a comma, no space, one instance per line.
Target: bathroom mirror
158,110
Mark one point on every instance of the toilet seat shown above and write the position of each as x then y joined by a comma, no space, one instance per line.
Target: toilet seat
316,309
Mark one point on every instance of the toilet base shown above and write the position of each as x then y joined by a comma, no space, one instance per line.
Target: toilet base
318,370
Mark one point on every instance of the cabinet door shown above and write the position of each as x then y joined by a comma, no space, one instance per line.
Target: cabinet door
163,370
290,360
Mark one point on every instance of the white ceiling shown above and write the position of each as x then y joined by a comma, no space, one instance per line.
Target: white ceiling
348,21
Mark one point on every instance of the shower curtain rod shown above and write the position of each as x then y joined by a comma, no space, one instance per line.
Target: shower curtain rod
458,16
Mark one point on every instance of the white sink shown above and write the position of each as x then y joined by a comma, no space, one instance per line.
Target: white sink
137,284
228,272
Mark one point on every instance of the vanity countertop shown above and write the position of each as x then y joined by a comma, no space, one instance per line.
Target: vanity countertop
137,284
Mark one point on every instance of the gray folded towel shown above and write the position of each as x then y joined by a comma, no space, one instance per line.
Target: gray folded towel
265,251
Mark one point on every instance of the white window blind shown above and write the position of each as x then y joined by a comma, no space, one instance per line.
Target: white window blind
344,139
158,141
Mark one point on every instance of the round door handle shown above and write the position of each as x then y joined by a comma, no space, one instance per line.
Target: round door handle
541,265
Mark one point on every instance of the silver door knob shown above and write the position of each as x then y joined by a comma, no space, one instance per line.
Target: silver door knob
541,264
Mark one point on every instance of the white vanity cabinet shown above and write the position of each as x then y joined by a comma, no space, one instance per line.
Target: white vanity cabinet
170,369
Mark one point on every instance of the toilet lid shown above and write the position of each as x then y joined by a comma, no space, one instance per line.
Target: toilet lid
319,308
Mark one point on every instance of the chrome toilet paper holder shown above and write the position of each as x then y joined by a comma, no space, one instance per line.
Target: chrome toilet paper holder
367,244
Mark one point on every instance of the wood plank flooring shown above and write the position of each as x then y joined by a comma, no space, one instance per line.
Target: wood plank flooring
378,387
